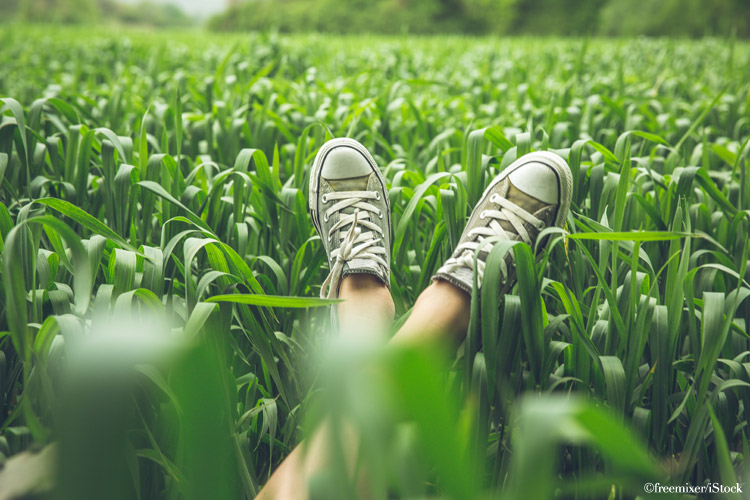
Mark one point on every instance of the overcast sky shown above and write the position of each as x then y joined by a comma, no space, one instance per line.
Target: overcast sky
196,8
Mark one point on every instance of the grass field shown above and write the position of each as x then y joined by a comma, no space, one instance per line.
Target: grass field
163,175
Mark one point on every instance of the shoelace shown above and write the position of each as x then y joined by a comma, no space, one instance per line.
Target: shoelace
355,243
508,211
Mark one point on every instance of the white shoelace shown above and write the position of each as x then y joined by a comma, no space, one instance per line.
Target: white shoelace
354,243
509,212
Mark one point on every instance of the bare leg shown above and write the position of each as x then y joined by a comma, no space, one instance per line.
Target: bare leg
290,480
440,317
367,309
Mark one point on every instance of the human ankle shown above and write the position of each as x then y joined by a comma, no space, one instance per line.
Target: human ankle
367,287
361,281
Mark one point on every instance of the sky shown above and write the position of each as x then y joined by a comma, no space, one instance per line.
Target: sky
195,8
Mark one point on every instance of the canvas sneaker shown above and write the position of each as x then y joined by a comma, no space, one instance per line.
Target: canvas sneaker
350,210
532,193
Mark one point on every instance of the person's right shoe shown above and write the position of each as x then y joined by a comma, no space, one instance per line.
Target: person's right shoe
532,193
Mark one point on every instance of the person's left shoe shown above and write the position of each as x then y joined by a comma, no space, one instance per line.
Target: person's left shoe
350,210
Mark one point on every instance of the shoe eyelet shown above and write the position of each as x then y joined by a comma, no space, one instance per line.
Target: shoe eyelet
377,196
482,214
325,217
380,214
324,198
493,197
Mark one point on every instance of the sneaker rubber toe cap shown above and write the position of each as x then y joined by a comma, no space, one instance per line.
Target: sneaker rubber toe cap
537,180
345,163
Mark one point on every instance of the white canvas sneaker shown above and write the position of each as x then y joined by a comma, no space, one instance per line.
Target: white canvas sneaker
532,193
350,210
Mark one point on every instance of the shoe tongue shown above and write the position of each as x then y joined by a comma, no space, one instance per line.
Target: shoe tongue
523,200
350,184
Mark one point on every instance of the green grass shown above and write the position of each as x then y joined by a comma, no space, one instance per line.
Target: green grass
165,174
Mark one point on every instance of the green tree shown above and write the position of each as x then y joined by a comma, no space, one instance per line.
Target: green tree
59,11
490,16
8,9
675,17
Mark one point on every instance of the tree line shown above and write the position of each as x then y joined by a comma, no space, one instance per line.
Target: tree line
693,18
146,12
